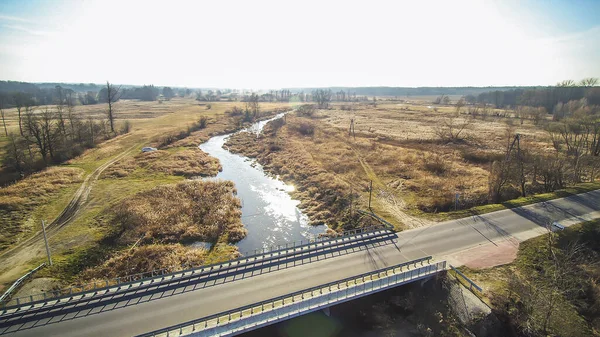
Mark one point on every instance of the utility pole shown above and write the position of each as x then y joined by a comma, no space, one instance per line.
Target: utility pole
46,241
370,193
456,196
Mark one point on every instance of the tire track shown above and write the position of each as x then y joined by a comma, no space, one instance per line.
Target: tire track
24,251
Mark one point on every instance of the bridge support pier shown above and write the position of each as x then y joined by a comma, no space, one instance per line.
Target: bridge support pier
327,312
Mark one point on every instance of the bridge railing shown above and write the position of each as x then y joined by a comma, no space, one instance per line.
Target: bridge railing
464,279
383,222
8,293
168,274
330,293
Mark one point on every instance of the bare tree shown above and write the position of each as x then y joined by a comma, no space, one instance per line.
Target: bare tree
439,99
252,107
2,113
15,154
112,95
459,104
570,135
566,83
60,107
322,97
589,82
452,128
21,101
34,128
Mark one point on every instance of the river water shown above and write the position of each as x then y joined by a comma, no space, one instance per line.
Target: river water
269,214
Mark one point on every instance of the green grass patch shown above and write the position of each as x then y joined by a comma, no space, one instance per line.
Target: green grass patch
523,201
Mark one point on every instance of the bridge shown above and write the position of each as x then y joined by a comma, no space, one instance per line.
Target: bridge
285,282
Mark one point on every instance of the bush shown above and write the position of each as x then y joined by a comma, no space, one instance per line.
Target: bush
189,211
235,111
306,110
480,157
126,127
435,164
305,128
202,122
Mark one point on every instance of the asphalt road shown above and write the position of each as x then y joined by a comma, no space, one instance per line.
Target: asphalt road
159,310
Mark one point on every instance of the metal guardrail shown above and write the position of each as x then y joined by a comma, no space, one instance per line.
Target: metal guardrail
468,280
5,298
351,288
104,285
385,223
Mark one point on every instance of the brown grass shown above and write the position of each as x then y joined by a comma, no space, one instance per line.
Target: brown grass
151,122
396,147
290,153
18,201
172,257
184,212
191,162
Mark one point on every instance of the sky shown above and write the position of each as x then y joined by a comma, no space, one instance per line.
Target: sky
264,44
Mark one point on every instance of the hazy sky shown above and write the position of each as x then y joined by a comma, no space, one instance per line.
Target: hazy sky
272,44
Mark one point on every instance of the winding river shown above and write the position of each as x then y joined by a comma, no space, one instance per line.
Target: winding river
269,214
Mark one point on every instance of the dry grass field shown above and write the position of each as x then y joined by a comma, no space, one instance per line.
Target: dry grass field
415,173
81,244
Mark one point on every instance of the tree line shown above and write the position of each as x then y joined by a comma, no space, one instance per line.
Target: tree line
83,94
52,134
547,97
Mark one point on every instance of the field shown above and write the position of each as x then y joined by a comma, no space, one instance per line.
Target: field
401,149
112,173
416,173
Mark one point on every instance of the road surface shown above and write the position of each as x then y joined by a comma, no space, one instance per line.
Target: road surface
159,310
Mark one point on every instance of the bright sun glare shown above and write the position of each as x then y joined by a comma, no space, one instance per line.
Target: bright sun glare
264,44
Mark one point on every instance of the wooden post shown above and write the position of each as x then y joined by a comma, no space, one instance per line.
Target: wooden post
370,193
46,241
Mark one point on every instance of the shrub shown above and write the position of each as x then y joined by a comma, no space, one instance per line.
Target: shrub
480,157
235,111
189,211
202,122
306,110
305,128
126,127
435,164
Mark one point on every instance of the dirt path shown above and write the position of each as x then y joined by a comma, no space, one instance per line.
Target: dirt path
388,200
13,260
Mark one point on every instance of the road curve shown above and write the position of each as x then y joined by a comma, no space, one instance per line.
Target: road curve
159,310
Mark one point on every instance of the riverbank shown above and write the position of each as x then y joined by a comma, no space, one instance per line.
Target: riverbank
298,151
82,242
269,213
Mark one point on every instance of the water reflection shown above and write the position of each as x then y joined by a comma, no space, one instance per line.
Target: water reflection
268,212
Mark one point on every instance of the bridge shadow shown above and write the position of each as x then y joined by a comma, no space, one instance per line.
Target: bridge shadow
32,319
